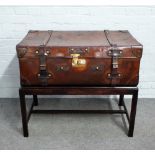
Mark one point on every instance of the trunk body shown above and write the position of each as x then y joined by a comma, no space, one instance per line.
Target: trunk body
80,58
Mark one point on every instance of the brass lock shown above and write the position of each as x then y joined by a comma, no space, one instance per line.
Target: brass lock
76,62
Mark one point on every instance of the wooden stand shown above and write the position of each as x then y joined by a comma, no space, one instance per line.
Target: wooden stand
79,91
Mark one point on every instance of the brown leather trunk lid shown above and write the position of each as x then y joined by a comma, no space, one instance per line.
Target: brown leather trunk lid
52,53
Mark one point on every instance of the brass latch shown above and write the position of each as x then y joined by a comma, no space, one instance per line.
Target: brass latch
76,62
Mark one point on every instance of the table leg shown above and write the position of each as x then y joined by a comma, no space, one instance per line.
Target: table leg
121,99
35,100
133,113
23,113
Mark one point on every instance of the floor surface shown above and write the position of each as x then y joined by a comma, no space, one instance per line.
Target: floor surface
76,131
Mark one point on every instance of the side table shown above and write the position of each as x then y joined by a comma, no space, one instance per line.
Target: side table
72,90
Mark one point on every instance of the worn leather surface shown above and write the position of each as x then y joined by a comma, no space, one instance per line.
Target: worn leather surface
78,38
93,47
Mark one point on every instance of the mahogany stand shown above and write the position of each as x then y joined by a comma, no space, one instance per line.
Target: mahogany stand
79,91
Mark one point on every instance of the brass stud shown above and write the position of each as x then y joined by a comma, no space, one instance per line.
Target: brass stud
61,67
97,68
47,52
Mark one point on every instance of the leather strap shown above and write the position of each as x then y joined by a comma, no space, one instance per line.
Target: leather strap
43,75
115,75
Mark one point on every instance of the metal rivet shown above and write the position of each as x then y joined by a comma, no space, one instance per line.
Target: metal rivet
49,75
97,68
37,52
47,52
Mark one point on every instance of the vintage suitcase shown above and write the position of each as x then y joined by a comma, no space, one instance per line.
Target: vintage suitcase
80,58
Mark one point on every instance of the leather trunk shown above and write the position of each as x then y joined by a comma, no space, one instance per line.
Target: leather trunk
80,58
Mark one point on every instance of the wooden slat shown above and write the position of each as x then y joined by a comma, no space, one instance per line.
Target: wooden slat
78,111
35,38
78,38
121,38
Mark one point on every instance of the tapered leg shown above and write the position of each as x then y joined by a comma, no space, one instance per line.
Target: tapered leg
23,113
35,100
121,100
133,114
